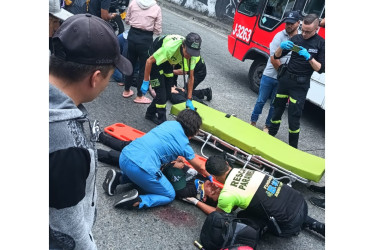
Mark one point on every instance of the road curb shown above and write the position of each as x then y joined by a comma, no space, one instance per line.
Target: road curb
224,24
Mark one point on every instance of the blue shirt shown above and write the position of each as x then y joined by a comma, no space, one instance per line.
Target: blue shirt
161,145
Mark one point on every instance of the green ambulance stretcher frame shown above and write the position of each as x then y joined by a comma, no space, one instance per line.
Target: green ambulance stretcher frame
254,148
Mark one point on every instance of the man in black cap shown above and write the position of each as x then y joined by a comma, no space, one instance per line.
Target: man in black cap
269,82
165,52
306,57
85,52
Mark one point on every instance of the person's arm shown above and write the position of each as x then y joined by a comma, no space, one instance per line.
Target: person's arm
278,52
201,205
158,23
148,66
276,62
275,43
190,84
105,15
104,10
315,65
178,72
68,171
199,166
207,209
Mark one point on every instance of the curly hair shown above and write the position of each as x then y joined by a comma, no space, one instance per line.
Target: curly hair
190,121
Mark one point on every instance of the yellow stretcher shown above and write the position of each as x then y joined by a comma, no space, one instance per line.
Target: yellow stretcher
254,148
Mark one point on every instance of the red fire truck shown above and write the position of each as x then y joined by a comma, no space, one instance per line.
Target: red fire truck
256,22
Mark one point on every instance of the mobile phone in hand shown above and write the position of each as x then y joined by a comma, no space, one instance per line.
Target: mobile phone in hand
296,48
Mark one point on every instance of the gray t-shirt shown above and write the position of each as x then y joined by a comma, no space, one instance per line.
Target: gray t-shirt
281,36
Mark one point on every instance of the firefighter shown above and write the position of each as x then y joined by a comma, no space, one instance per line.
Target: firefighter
294,83
165,52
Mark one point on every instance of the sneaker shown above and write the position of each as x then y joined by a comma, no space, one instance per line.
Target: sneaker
266,129
95,131
318,202
128,200
209,94
111,181
253,124
317,189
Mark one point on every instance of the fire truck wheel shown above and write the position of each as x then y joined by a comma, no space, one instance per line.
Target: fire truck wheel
255,74
117,25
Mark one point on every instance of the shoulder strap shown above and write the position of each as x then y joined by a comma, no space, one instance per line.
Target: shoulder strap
227,232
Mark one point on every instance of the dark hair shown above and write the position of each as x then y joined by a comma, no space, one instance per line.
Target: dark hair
74,72
190,121
209,201
310,18
216,165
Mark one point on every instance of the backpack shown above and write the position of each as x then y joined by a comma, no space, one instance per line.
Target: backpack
222,230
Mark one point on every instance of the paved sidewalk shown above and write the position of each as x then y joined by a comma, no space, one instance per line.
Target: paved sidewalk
225,24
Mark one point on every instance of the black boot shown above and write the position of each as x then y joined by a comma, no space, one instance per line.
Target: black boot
161,113
273,128
293,139
318,227
318,202
314,225
208,94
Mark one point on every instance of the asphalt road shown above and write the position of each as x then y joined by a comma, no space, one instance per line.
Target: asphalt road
177,225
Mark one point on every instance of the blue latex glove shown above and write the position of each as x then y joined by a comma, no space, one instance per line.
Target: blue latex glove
210,178
189,104
303,52
286,45
145,86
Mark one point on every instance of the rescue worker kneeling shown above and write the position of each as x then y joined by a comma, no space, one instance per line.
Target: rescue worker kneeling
264,200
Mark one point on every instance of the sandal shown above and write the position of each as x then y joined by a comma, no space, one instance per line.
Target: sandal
127,95
143,100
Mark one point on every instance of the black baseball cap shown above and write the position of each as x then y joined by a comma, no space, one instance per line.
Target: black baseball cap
193,44
292,17
87,39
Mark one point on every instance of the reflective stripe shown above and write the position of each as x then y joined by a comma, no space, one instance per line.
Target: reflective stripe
292,100
169,75
154,83
294,132
279,121
161,72
281,96
161,106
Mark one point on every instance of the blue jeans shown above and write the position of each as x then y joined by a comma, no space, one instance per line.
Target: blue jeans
268,89
157,187
123,47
